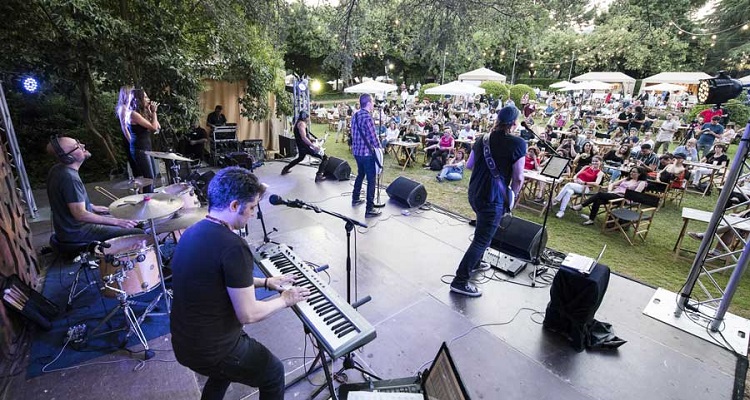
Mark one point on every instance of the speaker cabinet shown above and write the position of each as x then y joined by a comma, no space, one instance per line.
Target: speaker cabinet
519,238
338,169
287,146
407,191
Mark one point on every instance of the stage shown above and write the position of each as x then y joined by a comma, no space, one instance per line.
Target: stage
497,340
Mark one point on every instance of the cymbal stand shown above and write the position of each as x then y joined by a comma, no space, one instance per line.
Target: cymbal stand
160,262
132,321
175,172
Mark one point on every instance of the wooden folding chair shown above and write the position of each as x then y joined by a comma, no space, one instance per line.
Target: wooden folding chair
658,189
633,213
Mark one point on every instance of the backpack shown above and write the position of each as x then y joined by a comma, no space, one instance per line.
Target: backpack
436,162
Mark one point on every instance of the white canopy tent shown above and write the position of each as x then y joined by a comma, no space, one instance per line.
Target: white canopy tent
626,82
686,79
371,87
561,84
587,85
481,75
456,88
664,87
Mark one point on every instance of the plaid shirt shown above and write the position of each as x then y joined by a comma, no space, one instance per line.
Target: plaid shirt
363,132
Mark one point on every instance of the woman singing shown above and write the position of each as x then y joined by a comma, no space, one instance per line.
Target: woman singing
122,110
143,121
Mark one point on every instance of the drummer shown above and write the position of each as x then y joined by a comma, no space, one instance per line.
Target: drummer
74,218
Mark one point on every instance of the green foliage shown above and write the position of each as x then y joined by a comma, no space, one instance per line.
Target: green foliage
496,89
432,97
517,91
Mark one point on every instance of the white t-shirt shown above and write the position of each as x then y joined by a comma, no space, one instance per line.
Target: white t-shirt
667,130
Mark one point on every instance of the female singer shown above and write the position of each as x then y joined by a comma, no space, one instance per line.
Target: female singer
143,121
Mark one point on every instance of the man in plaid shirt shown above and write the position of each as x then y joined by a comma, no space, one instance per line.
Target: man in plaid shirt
364,143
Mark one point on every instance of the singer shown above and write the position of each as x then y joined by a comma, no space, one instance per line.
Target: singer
214,294
497,161
143,122
364,143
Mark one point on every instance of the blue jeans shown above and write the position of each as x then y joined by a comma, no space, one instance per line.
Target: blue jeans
249,363
488,218
365,167
703,148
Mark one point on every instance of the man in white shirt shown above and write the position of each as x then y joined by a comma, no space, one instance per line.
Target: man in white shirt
666,133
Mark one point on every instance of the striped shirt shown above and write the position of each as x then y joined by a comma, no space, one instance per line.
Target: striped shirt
363,132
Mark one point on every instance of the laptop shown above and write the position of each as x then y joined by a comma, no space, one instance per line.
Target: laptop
581,263
439,382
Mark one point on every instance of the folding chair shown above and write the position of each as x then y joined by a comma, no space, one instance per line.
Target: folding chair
633,212
658,189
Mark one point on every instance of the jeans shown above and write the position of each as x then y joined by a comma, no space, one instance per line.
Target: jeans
614,173
92,232
451,173
146,167
304,152
249,363
597,200
488,218
658,145
567,192
365,168
703,149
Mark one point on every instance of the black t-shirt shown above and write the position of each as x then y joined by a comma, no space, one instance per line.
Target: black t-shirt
141,137
208,259
711,158
64,186
640,117
505,150
624,116
612,156
216,120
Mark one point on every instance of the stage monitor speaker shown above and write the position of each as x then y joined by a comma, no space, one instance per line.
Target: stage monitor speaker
338,169
287,146
407,191
519,238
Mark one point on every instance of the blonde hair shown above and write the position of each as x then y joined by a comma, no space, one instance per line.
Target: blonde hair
122,110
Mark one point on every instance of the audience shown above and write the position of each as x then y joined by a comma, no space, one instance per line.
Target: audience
636,180
588,177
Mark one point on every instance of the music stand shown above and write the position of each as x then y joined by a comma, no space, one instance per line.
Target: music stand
554,169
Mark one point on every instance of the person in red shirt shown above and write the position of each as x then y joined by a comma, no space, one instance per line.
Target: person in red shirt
709,113
590,176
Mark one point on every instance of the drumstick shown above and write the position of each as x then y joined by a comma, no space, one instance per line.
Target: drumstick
20,293
12,302
15,296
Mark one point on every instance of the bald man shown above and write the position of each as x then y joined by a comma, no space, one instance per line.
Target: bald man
74,218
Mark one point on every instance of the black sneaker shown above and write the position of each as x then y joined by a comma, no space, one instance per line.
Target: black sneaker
357,202
372,213
466,289
473,222
319,178
285,171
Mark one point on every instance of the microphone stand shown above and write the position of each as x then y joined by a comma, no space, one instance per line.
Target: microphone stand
350,223
377,202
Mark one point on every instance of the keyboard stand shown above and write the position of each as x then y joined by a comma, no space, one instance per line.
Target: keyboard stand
321,357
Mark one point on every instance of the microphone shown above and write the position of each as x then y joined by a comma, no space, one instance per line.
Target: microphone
277,200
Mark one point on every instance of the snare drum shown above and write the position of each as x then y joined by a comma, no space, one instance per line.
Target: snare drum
134,255
184,191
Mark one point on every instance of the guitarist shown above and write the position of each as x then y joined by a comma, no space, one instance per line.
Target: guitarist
305,147
365,147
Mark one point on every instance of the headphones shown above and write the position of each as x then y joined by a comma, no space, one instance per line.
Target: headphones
64,157
303,115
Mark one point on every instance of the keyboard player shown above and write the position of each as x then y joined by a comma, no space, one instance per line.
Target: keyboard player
214,294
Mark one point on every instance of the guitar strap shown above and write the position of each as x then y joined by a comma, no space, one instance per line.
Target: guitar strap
493,169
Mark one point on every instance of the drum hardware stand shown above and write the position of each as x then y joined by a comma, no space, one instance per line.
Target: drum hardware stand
84,265
348,362
377,203
167,294
132,321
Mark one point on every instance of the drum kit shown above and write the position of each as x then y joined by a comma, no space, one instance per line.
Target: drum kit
133,265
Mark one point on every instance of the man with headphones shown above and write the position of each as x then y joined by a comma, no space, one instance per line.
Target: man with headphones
74,218
305,147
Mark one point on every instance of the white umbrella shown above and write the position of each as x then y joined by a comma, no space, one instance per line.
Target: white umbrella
371,87
561,84
455,88
589,85
663,87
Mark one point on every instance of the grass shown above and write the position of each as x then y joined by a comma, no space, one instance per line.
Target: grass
652,262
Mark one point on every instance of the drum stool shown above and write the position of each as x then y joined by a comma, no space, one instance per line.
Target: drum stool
80,253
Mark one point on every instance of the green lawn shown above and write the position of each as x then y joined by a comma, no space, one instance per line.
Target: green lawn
652,262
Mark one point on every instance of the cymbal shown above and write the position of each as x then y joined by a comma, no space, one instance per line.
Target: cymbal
135,183
167,156
141,207
181,220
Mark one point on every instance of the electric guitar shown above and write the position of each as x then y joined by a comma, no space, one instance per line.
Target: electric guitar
319,143
378,152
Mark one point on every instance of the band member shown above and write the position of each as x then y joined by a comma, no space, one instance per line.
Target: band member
196,142
364,145
214,294
489,191
123,114
143,122
74,218
216,118
305,147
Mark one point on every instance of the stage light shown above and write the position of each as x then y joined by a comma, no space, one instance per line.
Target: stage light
719,89
315,85
30,84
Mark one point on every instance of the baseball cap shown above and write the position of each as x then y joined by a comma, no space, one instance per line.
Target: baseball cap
507,114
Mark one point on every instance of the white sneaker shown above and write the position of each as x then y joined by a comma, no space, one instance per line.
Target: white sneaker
576,207
584,216
560,214
588,222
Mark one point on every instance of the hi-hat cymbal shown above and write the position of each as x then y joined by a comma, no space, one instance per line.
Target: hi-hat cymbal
167,156
141,207
182,220
135,183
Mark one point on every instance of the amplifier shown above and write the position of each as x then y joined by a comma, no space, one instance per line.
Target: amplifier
225,133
